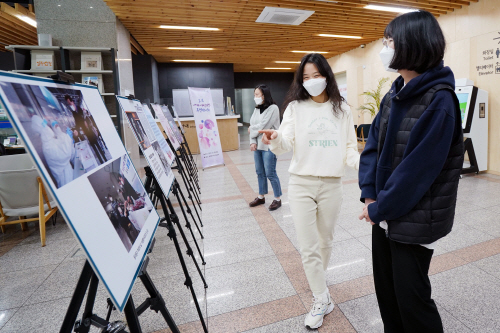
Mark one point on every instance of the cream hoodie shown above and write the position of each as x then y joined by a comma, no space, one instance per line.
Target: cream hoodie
322,143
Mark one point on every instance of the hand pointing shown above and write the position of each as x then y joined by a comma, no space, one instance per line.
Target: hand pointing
268,136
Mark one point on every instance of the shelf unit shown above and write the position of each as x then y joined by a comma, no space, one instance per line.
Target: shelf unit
68,59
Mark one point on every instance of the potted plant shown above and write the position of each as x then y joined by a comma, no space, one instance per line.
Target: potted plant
373,98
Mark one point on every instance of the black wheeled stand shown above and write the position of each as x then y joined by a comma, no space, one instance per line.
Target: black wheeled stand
88,277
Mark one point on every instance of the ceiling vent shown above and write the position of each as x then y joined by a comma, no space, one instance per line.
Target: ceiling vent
283,16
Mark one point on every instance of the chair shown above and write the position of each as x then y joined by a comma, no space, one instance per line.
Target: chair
23,194
362,132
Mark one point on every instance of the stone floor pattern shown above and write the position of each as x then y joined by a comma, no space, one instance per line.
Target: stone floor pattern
255,279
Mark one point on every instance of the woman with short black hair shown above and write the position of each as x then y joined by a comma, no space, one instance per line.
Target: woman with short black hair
318,126
409,172
265,115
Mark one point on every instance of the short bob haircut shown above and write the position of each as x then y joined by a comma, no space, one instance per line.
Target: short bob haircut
418,41
297,92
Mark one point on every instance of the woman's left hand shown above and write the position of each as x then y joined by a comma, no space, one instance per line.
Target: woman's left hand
253,147
249,130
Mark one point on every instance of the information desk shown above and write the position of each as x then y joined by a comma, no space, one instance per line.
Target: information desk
228,131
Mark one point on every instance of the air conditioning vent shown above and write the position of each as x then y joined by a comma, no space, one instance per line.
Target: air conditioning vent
283,16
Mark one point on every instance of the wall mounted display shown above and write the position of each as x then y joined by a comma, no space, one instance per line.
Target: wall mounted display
70,136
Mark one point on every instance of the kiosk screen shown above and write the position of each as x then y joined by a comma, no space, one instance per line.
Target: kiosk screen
463,99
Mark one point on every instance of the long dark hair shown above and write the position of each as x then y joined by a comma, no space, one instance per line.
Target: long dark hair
268,99
419,43
297,92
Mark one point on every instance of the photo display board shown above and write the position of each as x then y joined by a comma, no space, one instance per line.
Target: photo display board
166,126
158,160
70,136
171,121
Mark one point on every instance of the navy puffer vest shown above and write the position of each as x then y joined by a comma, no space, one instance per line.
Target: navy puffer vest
432,217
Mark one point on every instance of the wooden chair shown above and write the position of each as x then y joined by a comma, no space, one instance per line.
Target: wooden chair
22,194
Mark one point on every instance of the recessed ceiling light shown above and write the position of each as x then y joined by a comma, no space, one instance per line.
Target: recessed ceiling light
183,60
91,7
178,27
309,52
287,62
340,36
191,48
277,68
391,9
27,19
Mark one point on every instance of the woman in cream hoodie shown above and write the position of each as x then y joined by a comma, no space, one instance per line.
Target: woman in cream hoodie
318,126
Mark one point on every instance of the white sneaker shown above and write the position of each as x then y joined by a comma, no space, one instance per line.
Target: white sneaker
321,306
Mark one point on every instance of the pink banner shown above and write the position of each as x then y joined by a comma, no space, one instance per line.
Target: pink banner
206,127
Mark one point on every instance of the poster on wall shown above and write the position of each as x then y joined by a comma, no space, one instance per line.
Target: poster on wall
206,127
166,126
158,160
168,118
72,140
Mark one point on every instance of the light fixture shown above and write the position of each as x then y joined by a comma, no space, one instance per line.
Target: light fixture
309,52
183,60
91,7
27,19
287,62
391,9
192,48
277,68
178,27
340,36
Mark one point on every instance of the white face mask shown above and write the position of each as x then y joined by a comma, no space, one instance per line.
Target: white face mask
258,100
386,55
315,86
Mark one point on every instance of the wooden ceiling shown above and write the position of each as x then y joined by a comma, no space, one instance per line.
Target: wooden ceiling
252,46
14,31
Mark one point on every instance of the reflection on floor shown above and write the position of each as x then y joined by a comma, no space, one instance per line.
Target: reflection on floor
254,273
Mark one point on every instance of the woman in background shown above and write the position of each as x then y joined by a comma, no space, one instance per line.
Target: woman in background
265,115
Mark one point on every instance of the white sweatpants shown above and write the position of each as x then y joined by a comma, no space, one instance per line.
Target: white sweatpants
315,204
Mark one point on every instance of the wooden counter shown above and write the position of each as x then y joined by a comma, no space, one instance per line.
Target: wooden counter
228,132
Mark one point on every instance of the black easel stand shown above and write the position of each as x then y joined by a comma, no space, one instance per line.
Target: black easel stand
175,190
185,143
155,302
192,170
181,158
188,185
167,222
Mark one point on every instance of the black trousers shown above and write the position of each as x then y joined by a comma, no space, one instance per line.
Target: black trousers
402,286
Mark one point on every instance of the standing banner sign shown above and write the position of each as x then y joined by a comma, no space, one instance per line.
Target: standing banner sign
166,126
144,134
206,127
72,140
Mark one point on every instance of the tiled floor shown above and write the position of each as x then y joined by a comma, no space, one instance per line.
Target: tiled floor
255,279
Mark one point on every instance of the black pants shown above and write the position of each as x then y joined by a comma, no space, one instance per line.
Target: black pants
402,286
